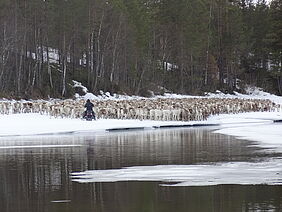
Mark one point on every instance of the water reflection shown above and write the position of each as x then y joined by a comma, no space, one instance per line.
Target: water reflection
36,175
187,146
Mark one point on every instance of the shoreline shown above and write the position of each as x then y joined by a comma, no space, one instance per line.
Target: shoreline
242,125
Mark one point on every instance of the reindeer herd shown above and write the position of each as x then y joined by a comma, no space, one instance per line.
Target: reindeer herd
169,109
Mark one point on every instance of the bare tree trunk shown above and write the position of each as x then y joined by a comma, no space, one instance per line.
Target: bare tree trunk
114,54
29,77
34,75
17,43
41,63
181,67
140,80
91,58
5,53
19,77
221,62
64,66
164,44
49,67
279,83
192,71
144,68
90,46
208,45
98,57
280,77
36,68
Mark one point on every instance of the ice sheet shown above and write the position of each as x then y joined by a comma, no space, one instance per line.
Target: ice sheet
268,172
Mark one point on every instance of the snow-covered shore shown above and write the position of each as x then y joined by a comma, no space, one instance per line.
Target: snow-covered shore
256,126
247,125
32,123
36,124
252,125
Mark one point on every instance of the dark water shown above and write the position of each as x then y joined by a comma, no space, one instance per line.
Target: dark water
36,178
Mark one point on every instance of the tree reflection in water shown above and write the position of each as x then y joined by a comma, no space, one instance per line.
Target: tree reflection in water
35,172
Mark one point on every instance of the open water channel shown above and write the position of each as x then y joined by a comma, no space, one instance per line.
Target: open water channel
36,172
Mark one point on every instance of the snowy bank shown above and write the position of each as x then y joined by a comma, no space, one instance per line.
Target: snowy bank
36,124
254,126
264,131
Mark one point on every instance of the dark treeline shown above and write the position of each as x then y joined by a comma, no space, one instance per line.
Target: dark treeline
185,46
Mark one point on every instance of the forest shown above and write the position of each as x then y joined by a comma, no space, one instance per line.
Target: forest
138,46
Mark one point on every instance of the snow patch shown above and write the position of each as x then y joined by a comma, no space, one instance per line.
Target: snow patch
243,173
77,84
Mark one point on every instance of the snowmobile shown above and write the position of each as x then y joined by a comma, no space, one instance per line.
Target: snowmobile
89,115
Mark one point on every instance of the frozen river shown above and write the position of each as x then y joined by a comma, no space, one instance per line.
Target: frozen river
192,169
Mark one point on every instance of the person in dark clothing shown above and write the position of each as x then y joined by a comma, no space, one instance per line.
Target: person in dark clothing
89,108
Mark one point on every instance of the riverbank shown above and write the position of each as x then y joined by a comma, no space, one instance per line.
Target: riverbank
256,126
36,124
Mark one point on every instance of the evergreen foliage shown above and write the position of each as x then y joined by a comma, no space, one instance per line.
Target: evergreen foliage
185,46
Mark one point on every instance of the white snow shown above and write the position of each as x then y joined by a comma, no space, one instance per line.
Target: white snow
268,172
252,93
267,135
77,84
53,54
36,124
